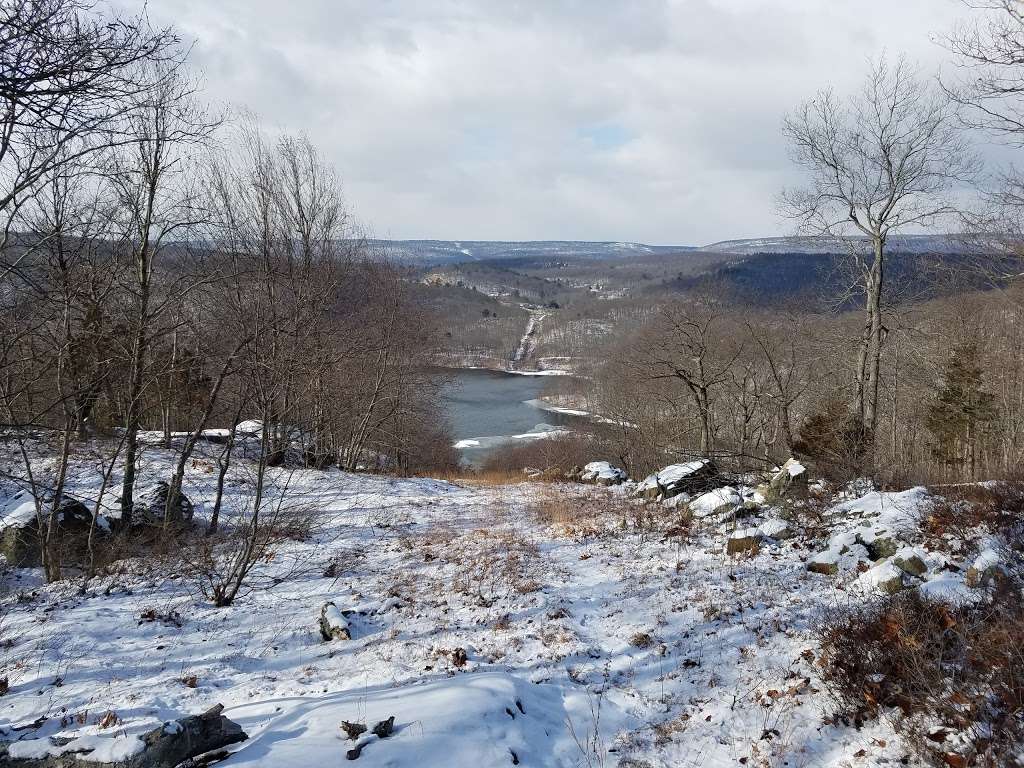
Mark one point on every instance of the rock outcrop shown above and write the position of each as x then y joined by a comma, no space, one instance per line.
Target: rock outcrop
602,473
693,477
20,533
167,746
151,506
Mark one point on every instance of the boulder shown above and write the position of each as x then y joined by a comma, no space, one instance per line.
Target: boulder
878,541
789,481
743,540
151,504
776,529
717,502
166,746
602,473
693,477
333,624
983,569
19,526
825,563
911,561
885,577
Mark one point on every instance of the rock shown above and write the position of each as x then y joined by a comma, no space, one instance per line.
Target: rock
355,752
384,728
983,569
884,577
825,568
333,625
790,480
166,746
825,563
19,526
602,473
910,560
743,540
353,730
776,529
717,502
151,504
879,543
694,477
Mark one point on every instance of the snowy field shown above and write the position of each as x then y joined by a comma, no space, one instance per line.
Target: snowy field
495,633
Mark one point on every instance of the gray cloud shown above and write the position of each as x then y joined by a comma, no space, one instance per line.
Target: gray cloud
643,120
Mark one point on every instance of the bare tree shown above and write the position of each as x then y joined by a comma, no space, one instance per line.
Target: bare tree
989,54
67,76
155,182
685,344
988,86
885,160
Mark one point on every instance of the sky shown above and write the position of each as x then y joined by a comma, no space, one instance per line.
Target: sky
654,121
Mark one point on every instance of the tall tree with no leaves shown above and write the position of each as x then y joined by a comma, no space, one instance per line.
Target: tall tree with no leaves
67,76
885,160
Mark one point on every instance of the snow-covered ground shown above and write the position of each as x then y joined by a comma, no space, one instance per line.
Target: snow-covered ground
493,636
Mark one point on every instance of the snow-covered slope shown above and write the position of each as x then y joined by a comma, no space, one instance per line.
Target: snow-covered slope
493,638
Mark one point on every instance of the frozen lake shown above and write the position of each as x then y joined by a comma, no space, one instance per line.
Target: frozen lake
489,409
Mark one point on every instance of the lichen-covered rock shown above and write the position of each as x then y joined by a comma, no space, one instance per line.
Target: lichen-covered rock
879,542
910,560
824,564
885,578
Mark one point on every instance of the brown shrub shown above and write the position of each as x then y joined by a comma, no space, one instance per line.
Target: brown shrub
587,513
833,442
552,457
965,510
962,667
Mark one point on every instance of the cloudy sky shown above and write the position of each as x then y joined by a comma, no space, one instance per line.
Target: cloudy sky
654,121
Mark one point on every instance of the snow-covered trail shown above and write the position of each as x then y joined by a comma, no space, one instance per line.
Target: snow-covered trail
492,637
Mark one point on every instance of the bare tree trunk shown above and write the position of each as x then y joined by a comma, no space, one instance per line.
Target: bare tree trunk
174,491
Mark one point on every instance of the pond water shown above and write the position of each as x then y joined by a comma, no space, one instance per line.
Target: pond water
490,409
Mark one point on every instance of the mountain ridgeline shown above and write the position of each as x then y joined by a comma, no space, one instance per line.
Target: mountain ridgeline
762,271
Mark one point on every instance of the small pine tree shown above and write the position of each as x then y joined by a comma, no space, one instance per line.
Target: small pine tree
960,409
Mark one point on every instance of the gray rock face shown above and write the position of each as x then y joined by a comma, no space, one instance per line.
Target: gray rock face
163,747
151,504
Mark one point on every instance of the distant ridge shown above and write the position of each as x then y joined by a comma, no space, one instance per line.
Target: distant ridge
919,244
435,252
424,253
